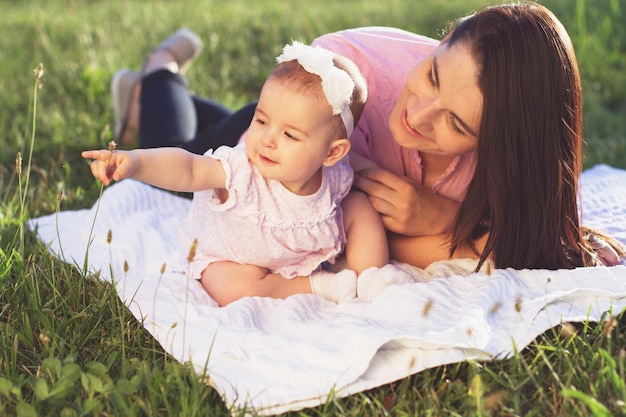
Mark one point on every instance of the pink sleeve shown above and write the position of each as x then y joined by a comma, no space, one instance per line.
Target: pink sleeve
385,57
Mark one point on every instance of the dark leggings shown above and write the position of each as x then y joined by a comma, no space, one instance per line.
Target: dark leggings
170,116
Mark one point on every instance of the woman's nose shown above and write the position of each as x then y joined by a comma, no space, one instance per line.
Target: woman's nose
421,113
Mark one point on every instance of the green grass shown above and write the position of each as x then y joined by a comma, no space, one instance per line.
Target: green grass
68,346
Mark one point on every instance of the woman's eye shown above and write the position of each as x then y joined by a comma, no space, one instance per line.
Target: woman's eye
455,125
431,77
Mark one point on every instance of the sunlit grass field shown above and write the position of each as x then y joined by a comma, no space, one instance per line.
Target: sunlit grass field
69,347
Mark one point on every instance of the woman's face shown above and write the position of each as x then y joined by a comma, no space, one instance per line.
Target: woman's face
440,107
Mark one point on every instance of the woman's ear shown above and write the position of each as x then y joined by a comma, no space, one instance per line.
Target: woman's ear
338,149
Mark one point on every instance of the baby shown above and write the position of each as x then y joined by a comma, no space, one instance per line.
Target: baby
266,217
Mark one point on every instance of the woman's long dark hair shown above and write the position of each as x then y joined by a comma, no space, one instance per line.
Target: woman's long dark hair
524,191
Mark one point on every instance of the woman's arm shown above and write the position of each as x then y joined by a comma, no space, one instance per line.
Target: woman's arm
421,251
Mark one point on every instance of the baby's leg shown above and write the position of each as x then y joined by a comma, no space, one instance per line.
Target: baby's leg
366,237
229,281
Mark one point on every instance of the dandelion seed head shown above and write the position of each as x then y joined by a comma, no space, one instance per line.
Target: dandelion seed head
518,304
125,266
163,268
109,236
173,325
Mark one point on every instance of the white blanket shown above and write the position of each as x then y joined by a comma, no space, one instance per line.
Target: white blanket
280,355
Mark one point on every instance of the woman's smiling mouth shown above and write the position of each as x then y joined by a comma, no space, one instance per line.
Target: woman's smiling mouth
410,127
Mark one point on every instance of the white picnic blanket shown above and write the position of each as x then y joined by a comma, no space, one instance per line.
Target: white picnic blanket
274,356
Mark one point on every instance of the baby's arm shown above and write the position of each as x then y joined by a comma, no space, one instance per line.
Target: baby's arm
169,168
366,236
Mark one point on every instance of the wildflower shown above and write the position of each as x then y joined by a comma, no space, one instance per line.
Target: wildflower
495,308
38,71
609,325
60,192
489,267
412,362
567,331
18,163
192,251
427,307
44,338
112,146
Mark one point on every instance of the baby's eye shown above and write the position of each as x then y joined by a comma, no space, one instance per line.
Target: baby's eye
259,121
290,136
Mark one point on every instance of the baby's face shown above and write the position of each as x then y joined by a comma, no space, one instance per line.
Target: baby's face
290,136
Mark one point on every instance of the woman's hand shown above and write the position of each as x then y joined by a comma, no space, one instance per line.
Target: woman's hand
406,208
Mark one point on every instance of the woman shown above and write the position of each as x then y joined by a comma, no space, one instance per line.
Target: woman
479,143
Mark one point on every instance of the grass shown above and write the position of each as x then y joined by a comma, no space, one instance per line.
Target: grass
68,346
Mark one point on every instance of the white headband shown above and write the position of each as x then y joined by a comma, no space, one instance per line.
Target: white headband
336,83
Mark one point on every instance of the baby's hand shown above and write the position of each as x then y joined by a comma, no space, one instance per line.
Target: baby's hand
110,165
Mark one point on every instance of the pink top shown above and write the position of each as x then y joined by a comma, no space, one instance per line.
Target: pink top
263,223
385,57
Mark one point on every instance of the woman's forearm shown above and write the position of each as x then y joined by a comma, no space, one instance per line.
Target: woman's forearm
421,251
438,215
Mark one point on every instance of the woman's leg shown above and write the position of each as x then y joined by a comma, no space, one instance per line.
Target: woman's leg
164,113
167,115
175,54
215,129
170,116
